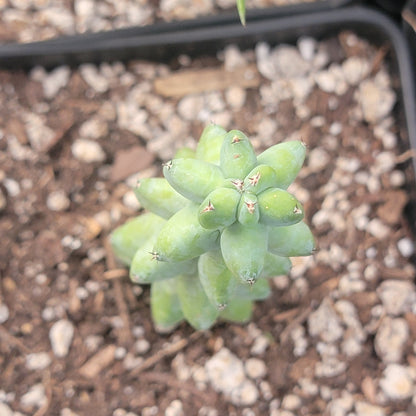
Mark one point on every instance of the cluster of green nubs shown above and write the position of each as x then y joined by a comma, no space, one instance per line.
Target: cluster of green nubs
216,227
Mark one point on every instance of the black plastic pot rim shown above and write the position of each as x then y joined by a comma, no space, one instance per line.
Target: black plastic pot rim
213,33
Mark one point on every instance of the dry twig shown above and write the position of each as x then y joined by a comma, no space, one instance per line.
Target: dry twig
170,349
124,333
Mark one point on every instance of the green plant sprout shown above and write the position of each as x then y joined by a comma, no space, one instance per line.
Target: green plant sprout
217,226
241,8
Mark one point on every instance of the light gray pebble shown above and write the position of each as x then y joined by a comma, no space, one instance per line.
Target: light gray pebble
366,409
325,323
391,337
245,394
279,412
291,402
130,201
307,47
190,106
35,397
265,64
384,162
93,78
5,410
376,100
266,390
12,186
308,387
236,97
142,346
207,411
96,254
58,201
397,296
57,79
355,69
330,367
94,128
397,178
225,372
37,361
150,411
60,336
233,58
406,247
378,229
120,353
289,62
397,383
255,368
4,313
93,342
87,151
318,159
175,408
260,345
335,128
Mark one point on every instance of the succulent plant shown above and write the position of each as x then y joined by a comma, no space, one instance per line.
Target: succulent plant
218,225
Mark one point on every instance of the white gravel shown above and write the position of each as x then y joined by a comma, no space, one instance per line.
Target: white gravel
61,335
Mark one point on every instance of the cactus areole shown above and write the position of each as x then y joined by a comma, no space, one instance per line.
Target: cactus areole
216,227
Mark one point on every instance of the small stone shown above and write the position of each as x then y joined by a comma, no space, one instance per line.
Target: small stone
130,201
397,178
391,338
226,374
255,368
318,159
325,323
367,409
58,201
37,361
397,296
142,346
4,313
376,101
245,394
94,128
291,402
406,247
260,345
207,411
236,97
93,78
397,383
35,397
289,62
330,367
355,69
175,408
225,371
377,229
87,151
60,335
233,58
5,410
41,136
189,107
307,47
55,80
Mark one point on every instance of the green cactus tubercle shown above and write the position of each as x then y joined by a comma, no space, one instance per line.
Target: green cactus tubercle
217,226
